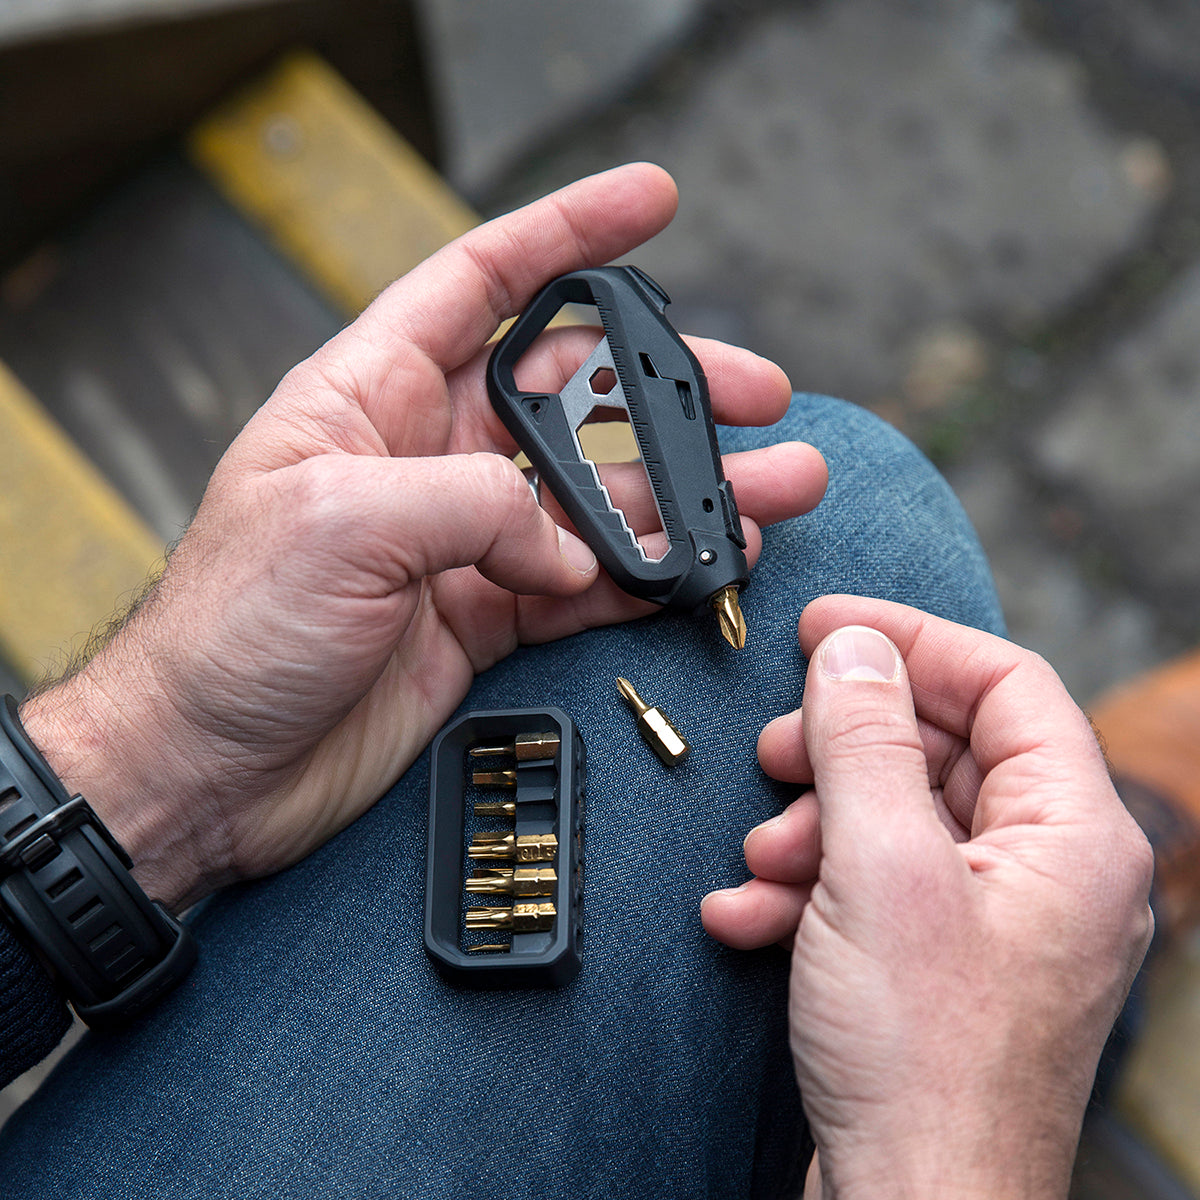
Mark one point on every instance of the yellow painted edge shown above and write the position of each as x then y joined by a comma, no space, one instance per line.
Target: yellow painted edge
336,187
70,546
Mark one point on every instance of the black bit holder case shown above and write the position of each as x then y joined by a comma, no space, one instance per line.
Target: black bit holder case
549,799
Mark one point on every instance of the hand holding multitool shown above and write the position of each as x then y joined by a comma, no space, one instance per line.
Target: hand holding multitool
662,387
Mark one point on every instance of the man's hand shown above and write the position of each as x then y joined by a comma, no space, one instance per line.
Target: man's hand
967,901
364,548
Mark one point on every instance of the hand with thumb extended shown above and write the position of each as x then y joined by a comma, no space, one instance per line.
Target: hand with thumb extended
966,900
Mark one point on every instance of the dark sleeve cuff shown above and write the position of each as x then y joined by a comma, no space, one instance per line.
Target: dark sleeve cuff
34,1015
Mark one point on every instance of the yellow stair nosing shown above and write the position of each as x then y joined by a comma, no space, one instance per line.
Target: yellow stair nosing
337,188
70,546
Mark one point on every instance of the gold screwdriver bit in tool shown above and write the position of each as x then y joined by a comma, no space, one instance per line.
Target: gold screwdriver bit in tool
729,616
507,881
521,918
525,747
525,847
655,726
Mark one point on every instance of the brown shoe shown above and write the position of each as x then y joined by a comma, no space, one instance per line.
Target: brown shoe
1150,730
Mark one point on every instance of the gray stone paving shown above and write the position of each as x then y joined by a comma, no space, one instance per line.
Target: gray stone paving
924,208
1126,439
856,174
506,72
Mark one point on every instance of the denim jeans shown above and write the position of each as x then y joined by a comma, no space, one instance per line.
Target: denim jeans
314,1052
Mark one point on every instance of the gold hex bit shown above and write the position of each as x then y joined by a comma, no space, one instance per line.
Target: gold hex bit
655,726
525,747
507,881
521,918
525,847
497,948
729,616
504,779
496,808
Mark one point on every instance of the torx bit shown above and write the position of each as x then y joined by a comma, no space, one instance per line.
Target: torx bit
505,881
525,747
521,918
504,779
729,616
655,726
526,847
496,808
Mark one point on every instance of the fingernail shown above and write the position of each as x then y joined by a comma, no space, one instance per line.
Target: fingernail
733,891
576,554
768,824
858,652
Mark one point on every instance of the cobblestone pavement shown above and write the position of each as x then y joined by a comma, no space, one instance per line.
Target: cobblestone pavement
979,218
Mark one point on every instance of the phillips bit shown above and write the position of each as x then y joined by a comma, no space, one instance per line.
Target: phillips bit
525,747
655,726
521,918
525,847
504,779
729,616
505,881
496,808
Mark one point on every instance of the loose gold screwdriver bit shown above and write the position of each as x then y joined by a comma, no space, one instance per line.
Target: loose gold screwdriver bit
655,726
525,747
525,847
507,881
729,616
496,808
521,918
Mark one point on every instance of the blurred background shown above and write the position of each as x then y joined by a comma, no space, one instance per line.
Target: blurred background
979,218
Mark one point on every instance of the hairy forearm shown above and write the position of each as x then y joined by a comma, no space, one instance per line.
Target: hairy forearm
111,733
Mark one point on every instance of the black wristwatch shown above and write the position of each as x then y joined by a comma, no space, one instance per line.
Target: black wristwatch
66,889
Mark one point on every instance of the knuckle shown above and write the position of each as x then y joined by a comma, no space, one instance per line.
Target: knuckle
1141,857
307,505
495,473
310,495
503,485
869,730
325,484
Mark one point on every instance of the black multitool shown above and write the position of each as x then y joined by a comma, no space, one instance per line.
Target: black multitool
662,388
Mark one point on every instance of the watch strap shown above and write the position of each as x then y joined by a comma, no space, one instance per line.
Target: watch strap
66,889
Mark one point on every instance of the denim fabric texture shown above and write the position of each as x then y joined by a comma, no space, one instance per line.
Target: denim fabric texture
314,1052
35,1014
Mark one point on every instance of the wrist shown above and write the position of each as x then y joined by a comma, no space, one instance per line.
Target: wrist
126,751
1003,1155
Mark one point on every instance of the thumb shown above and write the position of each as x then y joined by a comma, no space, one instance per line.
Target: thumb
868,760
404,518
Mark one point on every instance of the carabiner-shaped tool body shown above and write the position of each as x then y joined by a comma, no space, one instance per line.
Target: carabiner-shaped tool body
662,387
